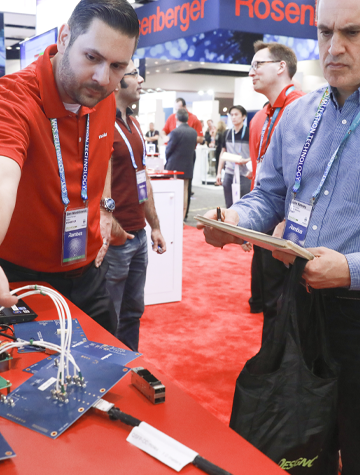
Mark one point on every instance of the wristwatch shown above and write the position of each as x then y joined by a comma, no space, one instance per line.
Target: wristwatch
108,204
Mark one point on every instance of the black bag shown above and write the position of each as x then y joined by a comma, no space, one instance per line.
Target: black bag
285,396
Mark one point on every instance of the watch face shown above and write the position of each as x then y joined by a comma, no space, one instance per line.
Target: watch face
110,204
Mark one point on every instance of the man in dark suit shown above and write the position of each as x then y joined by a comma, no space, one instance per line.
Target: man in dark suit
180,150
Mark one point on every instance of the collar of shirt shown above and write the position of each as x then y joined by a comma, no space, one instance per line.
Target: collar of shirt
129,111
355,96
53,105
280,101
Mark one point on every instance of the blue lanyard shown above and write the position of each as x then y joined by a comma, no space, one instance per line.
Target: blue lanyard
273,120
320,112
118,128
242,136
84,178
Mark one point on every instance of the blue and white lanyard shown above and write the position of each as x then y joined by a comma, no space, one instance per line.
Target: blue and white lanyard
300,167
242,136
273,120
84,178
118,128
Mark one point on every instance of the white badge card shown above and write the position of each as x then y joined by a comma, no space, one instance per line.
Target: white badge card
297,222
141,186
75,236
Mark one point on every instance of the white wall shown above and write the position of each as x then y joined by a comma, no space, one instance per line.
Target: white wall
51,13
18,6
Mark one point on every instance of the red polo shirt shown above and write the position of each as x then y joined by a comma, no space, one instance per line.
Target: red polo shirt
128,211
193,121
28,99
257,123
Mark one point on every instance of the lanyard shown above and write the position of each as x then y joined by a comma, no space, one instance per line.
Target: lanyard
118,128
242,136
84,178
321,109
273,120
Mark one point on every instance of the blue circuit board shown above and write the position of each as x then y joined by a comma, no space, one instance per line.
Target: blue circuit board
103,352
46,330
33,406
6,451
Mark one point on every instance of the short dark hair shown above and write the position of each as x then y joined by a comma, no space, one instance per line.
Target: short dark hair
182,115
241,109
180,99
118,14
279,52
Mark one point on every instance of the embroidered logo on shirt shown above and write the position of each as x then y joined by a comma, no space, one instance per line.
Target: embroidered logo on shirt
103,135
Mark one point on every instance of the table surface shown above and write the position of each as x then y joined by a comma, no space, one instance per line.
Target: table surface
96,445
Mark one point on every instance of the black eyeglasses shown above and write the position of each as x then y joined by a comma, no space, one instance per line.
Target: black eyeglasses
256,64
133,73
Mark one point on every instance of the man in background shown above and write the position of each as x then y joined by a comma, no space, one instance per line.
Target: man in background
152,136
57,122
180,151
131,189
193,122
272,69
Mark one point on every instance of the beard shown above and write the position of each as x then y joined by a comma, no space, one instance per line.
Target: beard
87,94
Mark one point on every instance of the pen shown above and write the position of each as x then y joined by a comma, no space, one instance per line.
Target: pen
218,213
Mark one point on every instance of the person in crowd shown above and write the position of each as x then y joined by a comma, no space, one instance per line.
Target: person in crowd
219,139
180,150
193,122
236,142
152,136
272,70
312,161
57,121
127,256
209,132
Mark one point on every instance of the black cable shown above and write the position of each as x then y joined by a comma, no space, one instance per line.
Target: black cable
4,326
199,462
11,337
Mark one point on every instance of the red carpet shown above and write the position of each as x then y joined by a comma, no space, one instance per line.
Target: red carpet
203,341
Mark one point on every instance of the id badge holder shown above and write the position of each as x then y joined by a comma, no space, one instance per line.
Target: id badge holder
75,230
297,222
141,186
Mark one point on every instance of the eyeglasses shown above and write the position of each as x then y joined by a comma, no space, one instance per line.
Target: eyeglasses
256,64
133,73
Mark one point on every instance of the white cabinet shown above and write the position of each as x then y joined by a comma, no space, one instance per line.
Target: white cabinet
164,272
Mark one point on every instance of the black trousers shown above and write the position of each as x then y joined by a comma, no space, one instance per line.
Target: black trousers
342,321
87,291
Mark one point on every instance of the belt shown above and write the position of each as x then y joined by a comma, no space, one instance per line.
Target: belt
70,274
134,233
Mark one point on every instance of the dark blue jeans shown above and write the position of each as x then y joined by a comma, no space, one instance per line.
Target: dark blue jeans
125,280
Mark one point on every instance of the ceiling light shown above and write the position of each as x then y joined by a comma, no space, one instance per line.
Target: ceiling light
133,106
225,109
210,92
158,70
8,47
18,47
201,93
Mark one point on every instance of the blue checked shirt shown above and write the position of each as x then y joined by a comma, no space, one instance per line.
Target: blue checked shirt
335,220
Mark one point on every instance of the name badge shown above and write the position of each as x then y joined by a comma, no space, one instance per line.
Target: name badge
297,222
74,236
141,186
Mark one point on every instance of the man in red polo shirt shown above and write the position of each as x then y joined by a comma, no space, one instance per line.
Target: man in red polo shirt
56,136
134,202
272,70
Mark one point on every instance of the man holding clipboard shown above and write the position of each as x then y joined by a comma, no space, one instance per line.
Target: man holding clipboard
310,176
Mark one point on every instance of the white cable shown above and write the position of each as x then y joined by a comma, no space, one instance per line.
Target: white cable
64,349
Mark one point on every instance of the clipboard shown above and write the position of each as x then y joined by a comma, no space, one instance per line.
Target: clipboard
259,239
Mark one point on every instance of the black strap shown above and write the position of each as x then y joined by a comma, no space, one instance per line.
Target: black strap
208,467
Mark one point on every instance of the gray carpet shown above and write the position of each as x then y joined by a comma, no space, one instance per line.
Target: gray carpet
205,197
